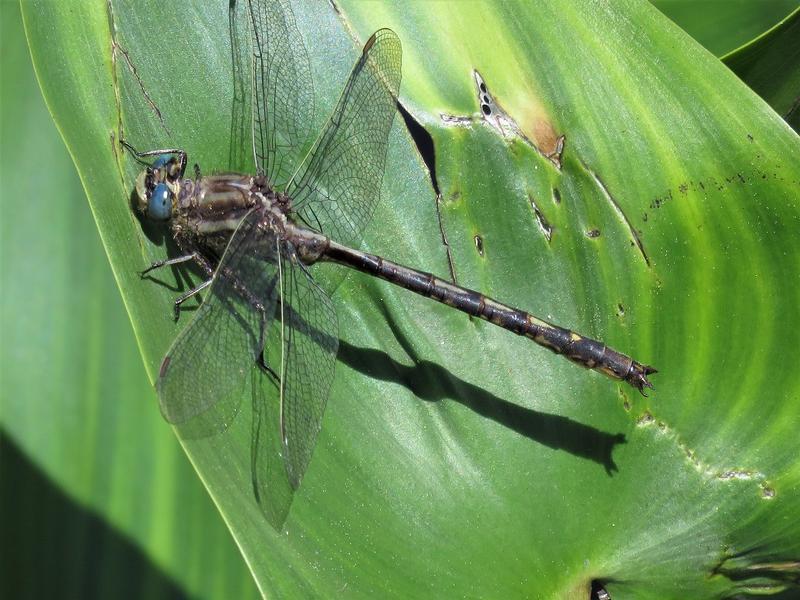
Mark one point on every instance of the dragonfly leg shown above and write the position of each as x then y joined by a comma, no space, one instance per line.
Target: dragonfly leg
201,261
261,361
184,297
140,155
262,364
197,174
172,261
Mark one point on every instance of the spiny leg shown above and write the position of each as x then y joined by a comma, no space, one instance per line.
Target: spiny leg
184,297
264,366
167,262
261,361
194,256
140,155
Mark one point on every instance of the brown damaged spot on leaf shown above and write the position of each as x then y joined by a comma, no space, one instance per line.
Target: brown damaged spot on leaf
549,143
545,136
536,129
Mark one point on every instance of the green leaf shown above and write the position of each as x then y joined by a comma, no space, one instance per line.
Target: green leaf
770,65
456,459
97,498
724,26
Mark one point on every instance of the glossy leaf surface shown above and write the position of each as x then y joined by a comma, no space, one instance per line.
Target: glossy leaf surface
456,459
97,498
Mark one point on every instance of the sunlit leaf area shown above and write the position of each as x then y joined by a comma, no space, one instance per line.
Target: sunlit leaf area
629,170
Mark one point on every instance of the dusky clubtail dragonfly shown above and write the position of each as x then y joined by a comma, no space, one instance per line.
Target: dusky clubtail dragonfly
255,237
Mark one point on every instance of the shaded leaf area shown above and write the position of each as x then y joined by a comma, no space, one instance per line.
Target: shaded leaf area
770,65
724,26
96,492
42,528
455,459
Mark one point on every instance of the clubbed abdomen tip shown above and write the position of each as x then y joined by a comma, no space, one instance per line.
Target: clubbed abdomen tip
637,377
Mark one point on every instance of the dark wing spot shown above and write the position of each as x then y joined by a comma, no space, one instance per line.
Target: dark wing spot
164,366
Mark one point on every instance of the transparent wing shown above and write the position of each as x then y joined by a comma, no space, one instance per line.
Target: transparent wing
283,93
240,150
271,485
205,373
310,335
338,185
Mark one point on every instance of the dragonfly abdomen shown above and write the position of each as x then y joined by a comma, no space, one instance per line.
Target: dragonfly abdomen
584,351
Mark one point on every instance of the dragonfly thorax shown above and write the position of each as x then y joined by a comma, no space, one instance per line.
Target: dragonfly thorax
217,203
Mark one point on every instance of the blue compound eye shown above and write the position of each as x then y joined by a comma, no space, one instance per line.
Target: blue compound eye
159,207
161,161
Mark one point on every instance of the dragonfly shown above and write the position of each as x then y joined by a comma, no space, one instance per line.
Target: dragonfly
256,237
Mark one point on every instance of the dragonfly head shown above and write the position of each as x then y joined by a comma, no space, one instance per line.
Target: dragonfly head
157,187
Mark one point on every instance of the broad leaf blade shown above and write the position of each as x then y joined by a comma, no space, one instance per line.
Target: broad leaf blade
770,65
456,459
723,26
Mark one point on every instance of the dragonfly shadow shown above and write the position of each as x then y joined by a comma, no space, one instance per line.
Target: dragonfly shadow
432,382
